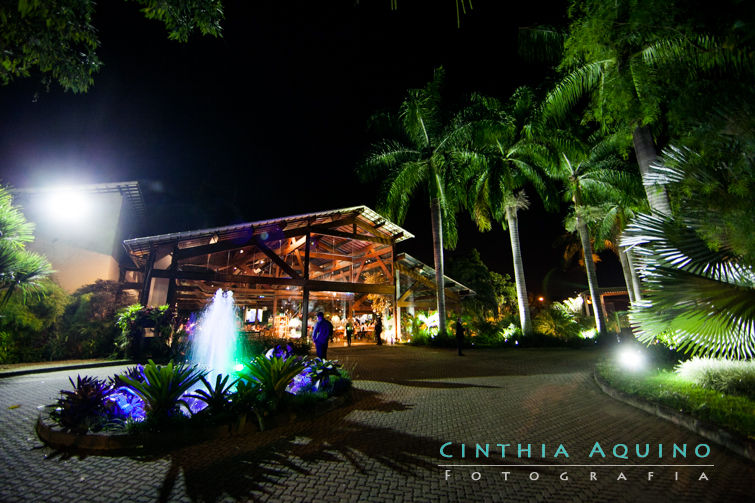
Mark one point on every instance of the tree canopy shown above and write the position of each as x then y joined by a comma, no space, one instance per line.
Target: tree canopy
57,40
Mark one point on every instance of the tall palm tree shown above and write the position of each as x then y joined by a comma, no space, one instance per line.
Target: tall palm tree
590,171
423,155
505,159
620,57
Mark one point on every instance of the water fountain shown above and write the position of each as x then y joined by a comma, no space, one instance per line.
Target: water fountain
215,343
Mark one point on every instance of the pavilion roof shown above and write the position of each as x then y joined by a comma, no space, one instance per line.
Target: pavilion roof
138,248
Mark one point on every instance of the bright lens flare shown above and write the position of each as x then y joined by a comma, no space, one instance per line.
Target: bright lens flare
67,205
631,358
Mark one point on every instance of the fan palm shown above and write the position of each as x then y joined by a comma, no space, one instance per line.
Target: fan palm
422,156
697,268
19,267
504,159
697,299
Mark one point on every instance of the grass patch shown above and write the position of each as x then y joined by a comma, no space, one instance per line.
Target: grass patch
734,413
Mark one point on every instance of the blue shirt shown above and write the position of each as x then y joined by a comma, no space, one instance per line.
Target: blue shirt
321,332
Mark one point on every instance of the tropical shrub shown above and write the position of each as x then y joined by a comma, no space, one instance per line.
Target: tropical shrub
217,398
273,374
162,387
321,376
557,321
86,407
726,376
258,345
29,325
86,327
133,319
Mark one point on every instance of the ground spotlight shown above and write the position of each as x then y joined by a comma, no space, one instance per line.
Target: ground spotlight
631,358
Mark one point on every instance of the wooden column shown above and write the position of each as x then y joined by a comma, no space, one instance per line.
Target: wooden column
144,297
304,313
305,292
173,281
396,295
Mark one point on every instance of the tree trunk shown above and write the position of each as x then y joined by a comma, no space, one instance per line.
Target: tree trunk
627,274
436,219
592,277
644,149
635,277
521,286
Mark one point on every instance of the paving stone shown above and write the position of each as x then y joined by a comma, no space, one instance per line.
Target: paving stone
385,445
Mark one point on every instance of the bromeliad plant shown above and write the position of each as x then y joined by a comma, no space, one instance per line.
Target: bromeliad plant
327,376
85,408
163,387
218,397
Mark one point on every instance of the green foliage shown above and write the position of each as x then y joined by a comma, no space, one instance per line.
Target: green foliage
217,397
713,175
29,324
726,376
162,387
329,376
86,407
86,328
133,319
701,300
735,413
19,268
494,293
273,374
557,321
422,155
258,345
56,38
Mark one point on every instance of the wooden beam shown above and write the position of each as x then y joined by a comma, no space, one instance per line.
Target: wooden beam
426,281
220,246
275,258
300,231
314,285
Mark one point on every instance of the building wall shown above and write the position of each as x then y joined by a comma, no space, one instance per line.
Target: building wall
80,247
75,266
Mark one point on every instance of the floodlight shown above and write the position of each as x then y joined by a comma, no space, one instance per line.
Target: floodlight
67,205
631,358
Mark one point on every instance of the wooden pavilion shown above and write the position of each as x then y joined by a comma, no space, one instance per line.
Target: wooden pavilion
340,261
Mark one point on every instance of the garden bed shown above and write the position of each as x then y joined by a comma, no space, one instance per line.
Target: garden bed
157,406
726,420
52,434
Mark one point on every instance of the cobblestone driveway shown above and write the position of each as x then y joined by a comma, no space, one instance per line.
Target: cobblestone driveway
386,445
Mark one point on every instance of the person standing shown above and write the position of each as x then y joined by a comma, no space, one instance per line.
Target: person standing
349,332
459,335
379,330
321,333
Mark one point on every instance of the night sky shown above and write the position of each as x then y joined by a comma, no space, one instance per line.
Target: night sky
271,120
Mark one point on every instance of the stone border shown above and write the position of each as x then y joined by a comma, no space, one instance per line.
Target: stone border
111,442
53,367
735,442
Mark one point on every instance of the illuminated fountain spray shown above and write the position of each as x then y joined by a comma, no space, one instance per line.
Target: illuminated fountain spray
215,344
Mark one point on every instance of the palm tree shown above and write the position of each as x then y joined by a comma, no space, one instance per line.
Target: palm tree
698,267
19,268
424,156
622,57
589,171
504,160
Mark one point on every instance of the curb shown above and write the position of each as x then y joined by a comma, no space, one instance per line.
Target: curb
76,366
735,442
